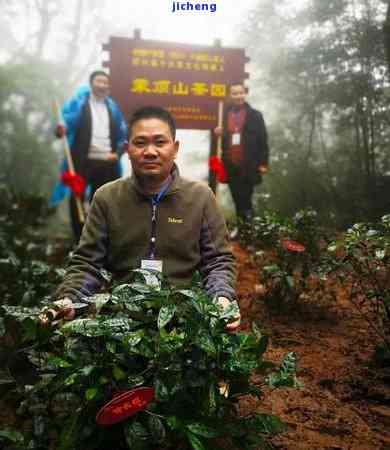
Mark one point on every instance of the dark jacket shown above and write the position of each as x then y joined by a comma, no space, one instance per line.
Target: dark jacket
255,142
83,136
191,236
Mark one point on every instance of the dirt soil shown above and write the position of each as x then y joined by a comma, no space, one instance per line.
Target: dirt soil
345,401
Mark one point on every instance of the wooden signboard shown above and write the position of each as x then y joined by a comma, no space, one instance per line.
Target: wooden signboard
187,80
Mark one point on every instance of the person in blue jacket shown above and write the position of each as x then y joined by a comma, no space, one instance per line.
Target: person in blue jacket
96,132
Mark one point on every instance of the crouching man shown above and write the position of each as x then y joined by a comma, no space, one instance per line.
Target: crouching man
154,219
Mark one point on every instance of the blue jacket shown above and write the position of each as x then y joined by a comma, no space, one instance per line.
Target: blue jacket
72,114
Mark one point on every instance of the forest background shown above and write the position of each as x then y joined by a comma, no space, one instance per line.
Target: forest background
318,72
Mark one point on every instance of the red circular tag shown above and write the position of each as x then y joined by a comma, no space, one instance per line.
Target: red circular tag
125,405
293,246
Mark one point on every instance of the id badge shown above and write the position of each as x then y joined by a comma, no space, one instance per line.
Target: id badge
236,139
152,264
155,265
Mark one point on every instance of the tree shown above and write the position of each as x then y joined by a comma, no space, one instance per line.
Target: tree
386,30
28,162
48,47
323,72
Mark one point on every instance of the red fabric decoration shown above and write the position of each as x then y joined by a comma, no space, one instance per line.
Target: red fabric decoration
216,166
75,182
125,405
60,131
293,246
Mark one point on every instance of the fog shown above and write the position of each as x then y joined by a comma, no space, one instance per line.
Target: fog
154,18
318,72
157,21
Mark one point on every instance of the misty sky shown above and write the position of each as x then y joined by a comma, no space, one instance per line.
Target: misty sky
202,27
156,21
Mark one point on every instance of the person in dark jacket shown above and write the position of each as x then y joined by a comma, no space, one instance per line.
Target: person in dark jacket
154,219
244,149
96,132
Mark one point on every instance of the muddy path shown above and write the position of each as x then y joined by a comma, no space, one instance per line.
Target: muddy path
345,401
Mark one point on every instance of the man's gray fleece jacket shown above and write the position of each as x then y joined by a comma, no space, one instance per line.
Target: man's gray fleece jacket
191,236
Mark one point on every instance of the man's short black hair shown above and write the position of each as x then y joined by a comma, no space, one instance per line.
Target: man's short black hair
96,73
153,112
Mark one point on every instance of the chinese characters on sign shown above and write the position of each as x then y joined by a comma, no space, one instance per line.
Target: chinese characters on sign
187,80
177,60
165,87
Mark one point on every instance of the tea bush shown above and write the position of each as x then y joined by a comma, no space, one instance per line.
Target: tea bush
361,260
292,263
172,341
25,275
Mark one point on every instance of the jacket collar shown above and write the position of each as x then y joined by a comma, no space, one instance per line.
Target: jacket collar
245,105
174,187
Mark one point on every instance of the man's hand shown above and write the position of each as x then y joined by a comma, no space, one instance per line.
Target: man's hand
112,157
60,131
63,309
234,323
262,169
218,131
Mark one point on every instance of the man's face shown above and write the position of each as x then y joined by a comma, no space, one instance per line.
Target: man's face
100,86
152,149
237,94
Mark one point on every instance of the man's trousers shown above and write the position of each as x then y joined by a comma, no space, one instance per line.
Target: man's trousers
96,173
242,191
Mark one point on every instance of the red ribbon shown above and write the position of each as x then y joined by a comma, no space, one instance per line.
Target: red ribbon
75,182
216,166
293,246
60,131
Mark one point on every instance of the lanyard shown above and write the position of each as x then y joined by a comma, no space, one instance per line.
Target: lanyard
155,200
237,119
